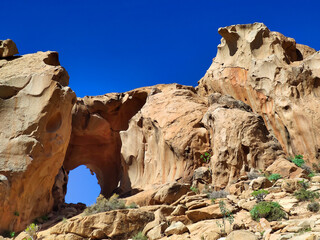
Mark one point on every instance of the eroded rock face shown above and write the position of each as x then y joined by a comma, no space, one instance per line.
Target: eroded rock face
8,48
240,141
151,136
95,140
165,138
278,78
35,116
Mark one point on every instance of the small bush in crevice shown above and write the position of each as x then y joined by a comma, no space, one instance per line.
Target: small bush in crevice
32,230
140,236
9,234
298,160
313,207
304,184
260,194
132,205
272,211
274,177
194,189
306,195
310,175
104,205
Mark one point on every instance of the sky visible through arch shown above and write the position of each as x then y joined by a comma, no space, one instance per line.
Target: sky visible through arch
115,46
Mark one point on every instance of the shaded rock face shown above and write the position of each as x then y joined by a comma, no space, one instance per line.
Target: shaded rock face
35,116
95,140
278,78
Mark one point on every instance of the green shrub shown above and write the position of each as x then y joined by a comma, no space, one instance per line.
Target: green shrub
306,195
298,160
32,230
260,194
206,157
132,205
304,184
274,177
313,207
8,234
104,205
194,189
226,216
271,211
312,174
140,236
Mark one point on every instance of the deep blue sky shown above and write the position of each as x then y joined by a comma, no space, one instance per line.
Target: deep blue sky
115,46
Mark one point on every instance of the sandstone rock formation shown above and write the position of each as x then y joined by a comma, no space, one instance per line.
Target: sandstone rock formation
136,140
239,140
7,48
278,78
165,138
257,102
95,140
35,116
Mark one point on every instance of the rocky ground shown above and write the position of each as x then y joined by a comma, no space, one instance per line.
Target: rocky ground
173,211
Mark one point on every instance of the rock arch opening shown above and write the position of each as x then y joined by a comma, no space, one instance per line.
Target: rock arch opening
82,186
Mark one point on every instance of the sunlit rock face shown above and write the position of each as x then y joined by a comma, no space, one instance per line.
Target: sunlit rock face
150,136
278,78
239,140
135,139
165,138
35,116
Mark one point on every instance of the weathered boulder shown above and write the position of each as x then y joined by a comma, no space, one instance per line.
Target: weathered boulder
209,212
115,225
176,228
278,78
8,48
35,116
240,141
170,193
260,182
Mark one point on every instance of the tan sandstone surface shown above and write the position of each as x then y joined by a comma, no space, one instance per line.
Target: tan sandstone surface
278,78
35,116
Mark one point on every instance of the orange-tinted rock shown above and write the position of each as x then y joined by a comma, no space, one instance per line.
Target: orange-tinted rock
279,79
95,140
35,116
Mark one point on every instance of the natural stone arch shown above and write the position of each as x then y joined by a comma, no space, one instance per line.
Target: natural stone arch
95,140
